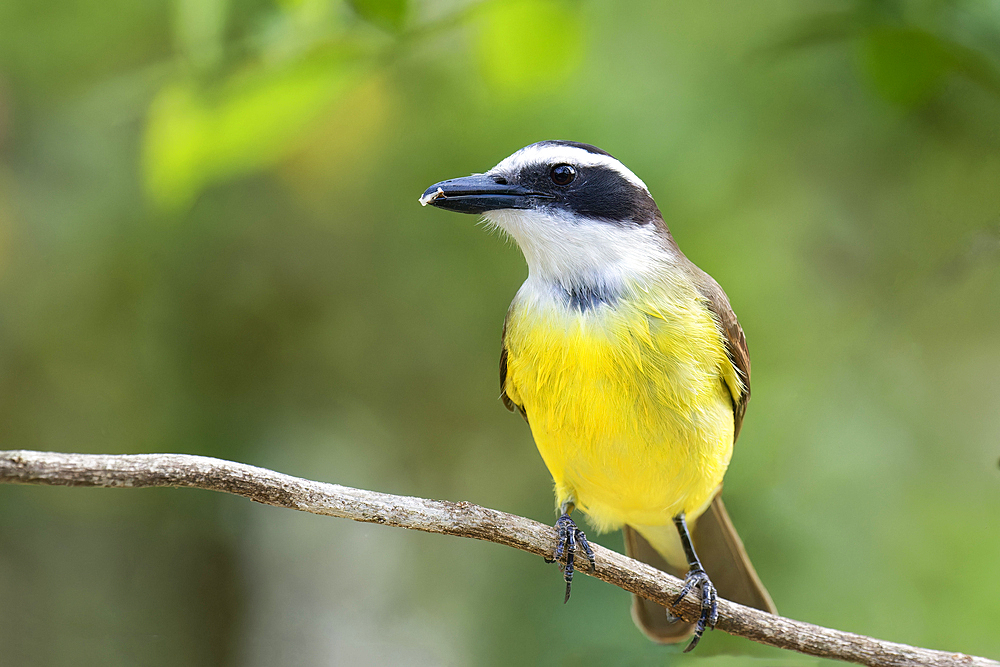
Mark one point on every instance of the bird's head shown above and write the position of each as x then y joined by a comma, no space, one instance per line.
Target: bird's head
577,213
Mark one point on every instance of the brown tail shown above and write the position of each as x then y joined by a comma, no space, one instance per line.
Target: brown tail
724,559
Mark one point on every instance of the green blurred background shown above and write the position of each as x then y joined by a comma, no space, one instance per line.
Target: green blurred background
210,243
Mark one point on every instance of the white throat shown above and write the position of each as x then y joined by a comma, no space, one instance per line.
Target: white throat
572,251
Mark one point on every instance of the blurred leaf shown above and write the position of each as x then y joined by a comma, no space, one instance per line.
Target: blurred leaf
389,14
200,28
352,133
525,45
906,66
298,28
193,138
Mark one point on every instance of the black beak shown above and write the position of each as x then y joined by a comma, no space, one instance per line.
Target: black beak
477,194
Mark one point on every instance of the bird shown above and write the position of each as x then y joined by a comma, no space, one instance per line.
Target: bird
629,366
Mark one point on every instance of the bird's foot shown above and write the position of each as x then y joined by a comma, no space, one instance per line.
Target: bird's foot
568,540
697,579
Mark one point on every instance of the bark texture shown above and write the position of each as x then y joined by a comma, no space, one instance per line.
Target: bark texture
461,519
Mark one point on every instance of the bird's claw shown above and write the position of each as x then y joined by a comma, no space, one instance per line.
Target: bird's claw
569,539
698,579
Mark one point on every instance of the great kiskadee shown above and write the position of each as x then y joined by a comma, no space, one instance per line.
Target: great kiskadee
628,364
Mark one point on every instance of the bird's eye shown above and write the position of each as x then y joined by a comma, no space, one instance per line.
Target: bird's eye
562,174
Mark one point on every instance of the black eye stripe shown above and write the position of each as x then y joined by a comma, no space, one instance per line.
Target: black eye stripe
597,192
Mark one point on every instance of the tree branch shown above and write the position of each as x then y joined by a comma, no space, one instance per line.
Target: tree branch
462,519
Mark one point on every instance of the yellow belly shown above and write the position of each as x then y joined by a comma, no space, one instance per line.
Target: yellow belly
628,405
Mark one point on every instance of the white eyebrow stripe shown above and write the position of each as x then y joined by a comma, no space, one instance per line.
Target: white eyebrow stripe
536,154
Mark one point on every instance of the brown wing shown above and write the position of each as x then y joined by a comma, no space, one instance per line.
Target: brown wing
511,405
736,342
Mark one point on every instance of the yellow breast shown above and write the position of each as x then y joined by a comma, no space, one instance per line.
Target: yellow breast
627,401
